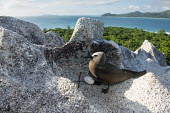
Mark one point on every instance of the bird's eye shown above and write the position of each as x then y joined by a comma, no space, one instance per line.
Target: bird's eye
95,55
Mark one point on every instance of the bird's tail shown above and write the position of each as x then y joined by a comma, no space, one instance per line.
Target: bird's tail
138,74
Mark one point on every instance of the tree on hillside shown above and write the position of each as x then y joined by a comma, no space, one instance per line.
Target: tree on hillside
161,31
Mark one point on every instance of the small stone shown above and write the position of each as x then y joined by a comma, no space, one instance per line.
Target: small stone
88,80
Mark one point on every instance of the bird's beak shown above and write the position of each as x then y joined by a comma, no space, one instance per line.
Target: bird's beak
88,57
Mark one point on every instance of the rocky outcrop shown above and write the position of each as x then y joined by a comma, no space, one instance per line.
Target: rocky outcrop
53,40
152,53
35,76
30,31
87,29
28,83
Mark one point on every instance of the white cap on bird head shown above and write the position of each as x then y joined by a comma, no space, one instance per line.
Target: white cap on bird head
99,57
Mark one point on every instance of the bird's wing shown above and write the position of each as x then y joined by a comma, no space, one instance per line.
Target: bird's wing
111,73
106,70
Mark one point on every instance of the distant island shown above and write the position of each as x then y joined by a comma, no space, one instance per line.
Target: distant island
163,14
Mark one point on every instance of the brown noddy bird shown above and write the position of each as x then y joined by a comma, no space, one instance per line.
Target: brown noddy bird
108,73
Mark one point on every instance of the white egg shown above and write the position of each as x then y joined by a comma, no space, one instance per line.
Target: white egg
88,80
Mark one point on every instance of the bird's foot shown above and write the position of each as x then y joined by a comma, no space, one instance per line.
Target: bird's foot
97,83
105,91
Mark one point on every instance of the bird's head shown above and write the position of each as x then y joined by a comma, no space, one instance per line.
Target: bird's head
99,57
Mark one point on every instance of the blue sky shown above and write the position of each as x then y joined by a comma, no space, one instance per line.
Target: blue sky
79,7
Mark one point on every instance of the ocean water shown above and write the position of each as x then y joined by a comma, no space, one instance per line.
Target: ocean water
147,24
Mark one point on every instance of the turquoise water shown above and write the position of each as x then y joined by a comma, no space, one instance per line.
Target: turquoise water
147,24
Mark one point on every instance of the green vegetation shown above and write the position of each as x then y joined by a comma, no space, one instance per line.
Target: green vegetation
133,38
163,14
64,33
129,38
161,31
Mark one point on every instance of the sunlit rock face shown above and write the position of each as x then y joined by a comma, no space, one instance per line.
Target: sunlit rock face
39,72
87,29
152,53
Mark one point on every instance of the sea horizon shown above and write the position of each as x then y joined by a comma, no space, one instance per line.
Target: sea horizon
62,21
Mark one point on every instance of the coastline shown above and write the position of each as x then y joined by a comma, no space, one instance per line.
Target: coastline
147,24
167,33
135,17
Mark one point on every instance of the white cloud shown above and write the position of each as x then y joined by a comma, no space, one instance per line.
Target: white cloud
134,7
166,1
166,8
95,2
39,7
165,4
147,6
18,7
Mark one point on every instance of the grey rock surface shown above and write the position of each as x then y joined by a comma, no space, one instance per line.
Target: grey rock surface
37,78
27,82
53,39
31,32
87,29
152,53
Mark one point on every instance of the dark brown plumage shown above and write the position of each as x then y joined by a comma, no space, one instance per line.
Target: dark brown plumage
107,72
